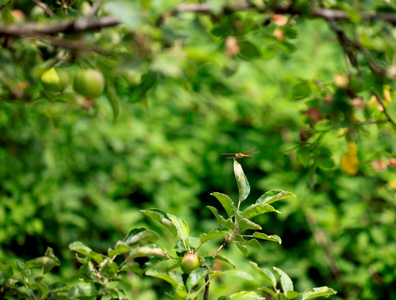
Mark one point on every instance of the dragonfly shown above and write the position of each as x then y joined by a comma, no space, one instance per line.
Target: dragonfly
248,153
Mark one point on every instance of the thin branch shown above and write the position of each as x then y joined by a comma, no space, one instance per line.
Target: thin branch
66,43
207,282
44,7
64,6
63,26
385,111
323,13
93,10
5,5
350,47
83,25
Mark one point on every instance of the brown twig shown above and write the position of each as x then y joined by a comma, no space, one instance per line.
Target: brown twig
323,13
93,10
385,111
64,6
63,26
44,7
350,47
207,282
82,25
66,43
5,5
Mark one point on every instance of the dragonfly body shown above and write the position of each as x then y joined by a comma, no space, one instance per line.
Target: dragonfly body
238,155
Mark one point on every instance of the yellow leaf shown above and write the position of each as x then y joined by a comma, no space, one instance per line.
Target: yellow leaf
392,183
352,150
387,95
349,161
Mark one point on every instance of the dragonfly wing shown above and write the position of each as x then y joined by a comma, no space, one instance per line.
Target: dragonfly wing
250,150
253,153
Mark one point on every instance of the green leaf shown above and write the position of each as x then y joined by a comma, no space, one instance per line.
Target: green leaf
245,295
125,11
268,291
286,282
324,160
325,163
119,248
322,291
195,276
223,222
162,218
6,273
286,47
81,248
220,30
156,260
42,262
183,231
208,262
212,235
193,241
133,267
257,209
303,155
83,289
267,275
248,50
242,182
301,90
108,267
147,252
245,224
253,243
42,288
227,203
226,260
292,294
114,100
161,274
239,274
269,52
177,277
137,235
273,196
263,236
242,248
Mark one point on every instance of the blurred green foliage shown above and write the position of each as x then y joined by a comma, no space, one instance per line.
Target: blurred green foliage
68,173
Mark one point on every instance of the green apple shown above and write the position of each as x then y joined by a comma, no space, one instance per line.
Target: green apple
89,83
190,262
55,79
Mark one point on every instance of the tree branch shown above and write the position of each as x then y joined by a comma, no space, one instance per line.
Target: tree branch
385,111
66,43
44,7
63,26
323,13
5,5
83,25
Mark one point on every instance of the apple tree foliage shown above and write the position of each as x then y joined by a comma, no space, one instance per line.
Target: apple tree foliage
340,141
101,275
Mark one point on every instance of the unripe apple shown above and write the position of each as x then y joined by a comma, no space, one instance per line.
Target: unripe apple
190,262
89,83
55,79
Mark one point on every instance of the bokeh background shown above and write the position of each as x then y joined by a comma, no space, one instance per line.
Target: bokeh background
69,174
